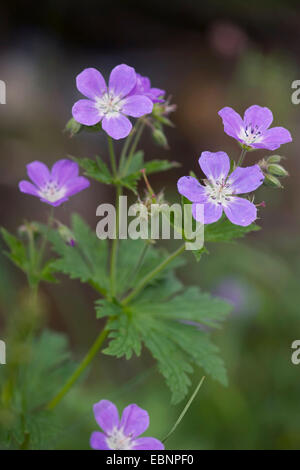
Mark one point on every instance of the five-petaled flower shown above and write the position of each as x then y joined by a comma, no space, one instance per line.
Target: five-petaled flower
219,191
143,87
253,131
122,434
56,186
111,104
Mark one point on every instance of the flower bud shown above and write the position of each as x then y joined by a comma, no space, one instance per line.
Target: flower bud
277,170
274,159
160,138
73,127
66,234
271,180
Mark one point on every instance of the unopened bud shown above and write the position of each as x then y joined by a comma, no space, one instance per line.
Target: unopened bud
274,159
271,180
73,127
160,138
277,170
66,234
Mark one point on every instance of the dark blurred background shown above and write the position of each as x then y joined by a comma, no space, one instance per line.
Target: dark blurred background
207,55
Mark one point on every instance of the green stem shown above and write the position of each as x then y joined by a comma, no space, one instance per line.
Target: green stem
45,238
153,274
112,155
184,410
139,129
125,149
76,374
114,248
242,156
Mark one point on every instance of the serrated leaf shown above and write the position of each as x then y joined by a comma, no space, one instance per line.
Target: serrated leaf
225,231
95,169
17,250
87,260
168,319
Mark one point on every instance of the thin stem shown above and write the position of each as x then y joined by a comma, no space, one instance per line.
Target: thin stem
115,244
153,274
140,260
184,410
76,374
125,149
112,155
242,156
45,238
139,129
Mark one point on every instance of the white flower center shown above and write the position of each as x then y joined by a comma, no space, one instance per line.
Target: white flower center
109,105
218,191
118,441
51,192
250,134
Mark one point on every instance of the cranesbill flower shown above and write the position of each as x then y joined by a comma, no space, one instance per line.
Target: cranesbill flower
253,131
111,104
143,87
122,434
219,192
56,186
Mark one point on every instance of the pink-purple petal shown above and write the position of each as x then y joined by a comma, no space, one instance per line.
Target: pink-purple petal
211,213
241,211
39,173
134,420
63,170
245,180
189,187
98,441
85,112
137,106
232,122
273,138
215,165
117,126
148,443
28,188
106,415
258,116
122,80
91,83
76,185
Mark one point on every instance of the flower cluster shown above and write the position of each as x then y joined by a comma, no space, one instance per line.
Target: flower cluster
122,434
220,189
127,94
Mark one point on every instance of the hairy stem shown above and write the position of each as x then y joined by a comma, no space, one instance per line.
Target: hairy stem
139,130
82,366
115,244
242,156
112,155
153,274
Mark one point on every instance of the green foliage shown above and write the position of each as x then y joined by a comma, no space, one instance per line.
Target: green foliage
224,231
87,260
27,383
19,253
167,319
99,171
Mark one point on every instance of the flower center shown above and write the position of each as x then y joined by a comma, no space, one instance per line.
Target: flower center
218,191
118,441
51,192
250,134
109,104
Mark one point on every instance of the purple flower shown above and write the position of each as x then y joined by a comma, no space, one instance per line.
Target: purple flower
122,434
253,131
143,87
111,104
219,192
56,186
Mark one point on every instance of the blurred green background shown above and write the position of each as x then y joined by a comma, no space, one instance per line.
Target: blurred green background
206,56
